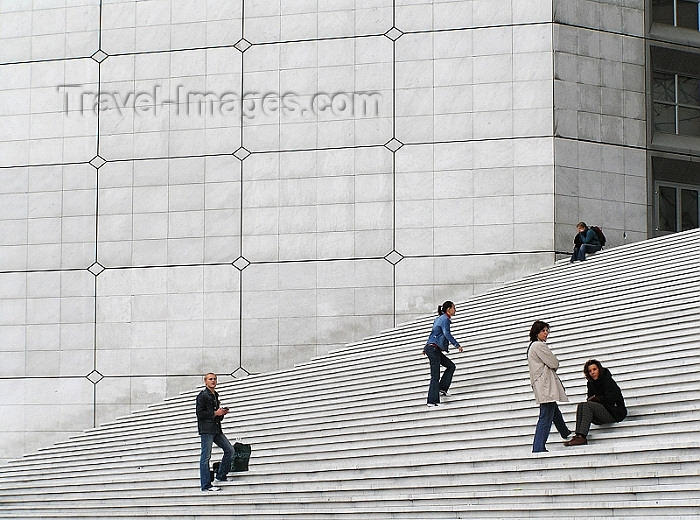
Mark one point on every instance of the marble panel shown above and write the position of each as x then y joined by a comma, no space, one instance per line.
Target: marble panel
55,131
175,109
491,12
187,205
451,15
159,324
164,25
49,32
536,236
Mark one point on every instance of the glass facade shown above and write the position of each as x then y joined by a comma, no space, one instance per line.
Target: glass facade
676,194
677,208
676,103
674,115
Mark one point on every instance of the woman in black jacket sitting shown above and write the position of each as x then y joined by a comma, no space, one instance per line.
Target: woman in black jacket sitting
604,405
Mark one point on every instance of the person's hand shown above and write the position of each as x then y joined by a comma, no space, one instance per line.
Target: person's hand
460,349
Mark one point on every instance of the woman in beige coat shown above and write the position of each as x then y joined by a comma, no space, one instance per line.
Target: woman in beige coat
546,385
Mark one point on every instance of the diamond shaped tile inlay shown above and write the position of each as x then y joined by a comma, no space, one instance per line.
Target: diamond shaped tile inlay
241,153
240,263
97,161
394,257
243,45
240,373
96,268
393,34
94,377
100,56
394,144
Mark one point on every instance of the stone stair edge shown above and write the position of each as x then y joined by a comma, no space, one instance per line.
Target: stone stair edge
562,351
345,454
292,496
542,299
500,291
235,421
522,461
280,429
516,427
554,277
509,328
665,276
522,419
636,416
666,477
403,377
483,504
565,347
635,402
489,476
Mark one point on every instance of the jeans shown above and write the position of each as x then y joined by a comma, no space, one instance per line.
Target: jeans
549,412
580,251
437,358
207,439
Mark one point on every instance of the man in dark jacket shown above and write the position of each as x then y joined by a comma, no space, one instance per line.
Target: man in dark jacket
585,241
209,417
604,405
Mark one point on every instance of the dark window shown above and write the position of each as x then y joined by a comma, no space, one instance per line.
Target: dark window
664,87
662,11
688,121
677,208
665,118
687,14
689,209
676,108
689,91
676,195
667,209
679,13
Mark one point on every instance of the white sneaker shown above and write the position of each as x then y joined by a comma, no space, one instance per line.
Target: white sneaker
444,393
432,404
218,482
211,489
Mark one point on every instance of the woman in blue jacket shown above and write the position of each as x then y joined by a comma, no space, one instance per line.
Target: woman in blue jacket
439,343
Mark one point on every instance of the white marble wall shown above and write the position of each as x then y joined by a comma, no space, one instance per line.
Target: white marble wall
154,228
600,119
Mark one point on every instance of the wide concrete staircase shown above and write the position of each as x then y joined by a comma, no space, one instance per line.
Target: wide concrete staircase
348,435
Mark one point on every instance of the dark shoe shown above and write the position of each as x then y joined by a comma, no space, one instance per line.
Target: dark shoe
565,436
578,440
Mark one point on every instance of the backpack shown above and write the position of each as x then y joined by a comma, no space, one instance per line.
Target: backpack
599,232
241,457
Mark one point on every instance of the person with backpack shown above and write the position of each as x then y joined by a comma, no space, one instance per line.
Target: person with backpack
210,413
586,240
